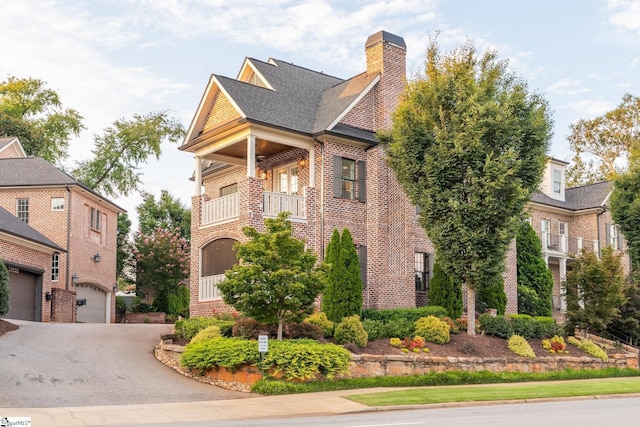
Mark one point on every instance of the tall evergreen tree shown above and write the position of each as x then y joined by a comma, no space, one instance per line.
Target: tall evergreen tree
4,289
491,295
443,291
535,283
343,293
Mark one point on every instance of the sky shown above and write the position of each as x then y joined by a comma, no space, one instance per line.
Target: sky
111,59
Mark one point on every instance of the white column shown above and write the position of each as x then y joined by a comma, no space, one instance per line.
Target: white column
546,260
251,156
563,276
198,177
312,167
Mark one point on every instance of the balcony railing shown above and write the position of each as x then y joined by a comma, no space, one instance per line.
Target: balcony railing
208,289
565,244
220,209
274,203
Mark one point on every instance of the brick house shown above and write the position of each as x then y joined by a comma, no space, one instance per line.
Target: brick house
74,218
568,220
281,137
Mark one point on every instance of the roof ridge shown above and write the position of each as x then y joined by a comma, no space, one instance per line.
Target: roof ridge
322,73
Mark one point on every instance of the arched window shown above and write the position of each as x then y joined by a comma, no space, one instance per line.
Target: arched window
217,257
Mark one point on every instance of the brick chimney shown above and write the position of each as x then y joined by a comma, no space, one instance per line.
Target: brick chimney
386,54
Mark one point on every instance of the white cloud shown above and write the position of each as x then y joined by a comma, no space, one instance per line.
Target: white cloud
625,15
588,108
567,87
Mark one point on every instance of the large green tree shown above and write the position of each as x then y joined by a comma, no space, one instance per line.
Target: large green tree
34,113
167,212
626,325
443,291
468,144
277,279
535,283
625,210
122,148
602,145
125,266
5,304
594,290
342,296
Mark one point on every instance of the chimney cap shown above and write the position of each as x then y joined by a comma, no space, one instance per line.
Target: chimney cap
383,36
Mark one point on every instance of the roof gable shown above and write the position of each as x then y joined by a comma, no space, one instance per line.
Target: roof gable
10,147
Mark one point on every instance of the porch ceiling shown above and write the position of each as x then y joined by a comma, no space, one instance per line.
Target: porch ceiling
263,148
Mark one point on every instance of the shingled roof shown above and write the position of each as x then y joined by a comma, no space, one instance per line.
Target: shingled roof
578,198
34,172
10,224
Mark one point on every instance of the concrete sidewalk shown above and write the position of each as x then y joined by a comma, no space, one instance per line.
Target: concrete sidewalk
323,403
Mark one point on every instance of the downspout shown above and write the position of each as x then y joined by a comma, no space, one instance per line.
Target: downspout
315,138
66,279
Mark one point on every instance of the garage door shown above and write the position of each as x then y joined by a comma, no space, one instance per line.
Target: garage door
22,286
95,310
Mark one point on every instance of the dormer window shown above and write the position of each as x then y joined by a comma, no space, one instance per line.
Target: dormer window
557,181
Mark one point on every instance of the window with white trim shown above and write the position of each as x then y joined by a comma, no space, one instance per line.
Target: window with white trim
22,210
55,267
287,180
57,203
557,181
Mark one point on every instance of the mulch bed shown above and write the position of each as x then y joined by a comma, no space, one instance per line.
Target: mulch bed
6,327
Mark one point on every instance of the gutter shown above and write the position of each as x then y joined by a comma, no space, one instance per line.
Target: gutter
315,138
66,279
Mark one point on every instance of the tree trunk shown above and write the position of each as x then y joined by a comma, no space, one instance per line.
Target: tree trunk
280,322
471,311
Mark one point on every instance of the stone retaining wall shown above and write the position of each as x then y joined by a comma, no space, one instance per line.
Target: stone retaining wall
366,365
156,317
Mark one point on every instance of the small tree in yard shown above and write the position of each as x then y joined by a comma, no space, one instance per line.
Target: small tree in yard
276,280
468,144
342,296
4,289
594,290
535,283
162,267
444,292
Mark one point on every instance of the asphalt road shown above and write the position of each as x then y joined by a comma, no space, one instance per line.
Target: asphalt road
81,364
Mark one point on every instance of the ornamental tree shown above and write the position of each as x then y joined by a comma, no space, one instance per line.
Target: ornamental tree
342,296
468,145
625,210
594,290
535,283
162,267
277,279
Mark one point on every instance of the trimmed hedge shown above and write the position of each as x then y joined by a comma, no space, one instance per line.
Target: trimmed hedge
410,314
295,359
188,328
519,324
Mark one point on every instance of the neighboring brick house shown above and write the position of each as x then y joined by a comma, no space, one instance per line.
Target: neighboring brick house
75,218
281,137
568,220
28,256
10,147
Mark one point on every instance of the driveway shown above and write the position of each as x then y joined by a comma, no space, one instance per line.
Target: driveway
82,364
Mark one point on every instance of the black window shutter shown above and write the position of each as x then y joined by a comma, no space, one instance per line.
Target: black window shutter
362,260
337,176
362,181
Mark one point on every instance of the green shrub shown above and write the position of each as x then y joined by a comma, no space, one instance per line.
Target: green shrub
305,359
589,347
121,305
188,328
410,314
320,319
207,333
350,330
398,328
433,330
375,329
5,302
498,325
295,359
178,303
454,328
523,325
548,326
520,346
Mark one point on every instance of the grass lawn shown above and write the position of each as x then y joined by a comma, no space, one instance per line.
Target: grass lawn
514,391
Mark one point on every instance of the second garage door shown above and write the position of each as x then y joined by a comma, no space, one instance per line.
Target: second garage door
95,310
22,295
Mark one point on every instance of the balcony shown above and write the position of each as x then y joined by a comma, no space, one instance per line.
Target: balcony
561,243
208,288
274,203
228,208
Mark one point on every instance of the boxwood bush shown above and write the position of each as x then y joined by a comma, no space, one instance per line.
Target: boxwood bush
188,328
351,331
519,324
433,330
498,325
